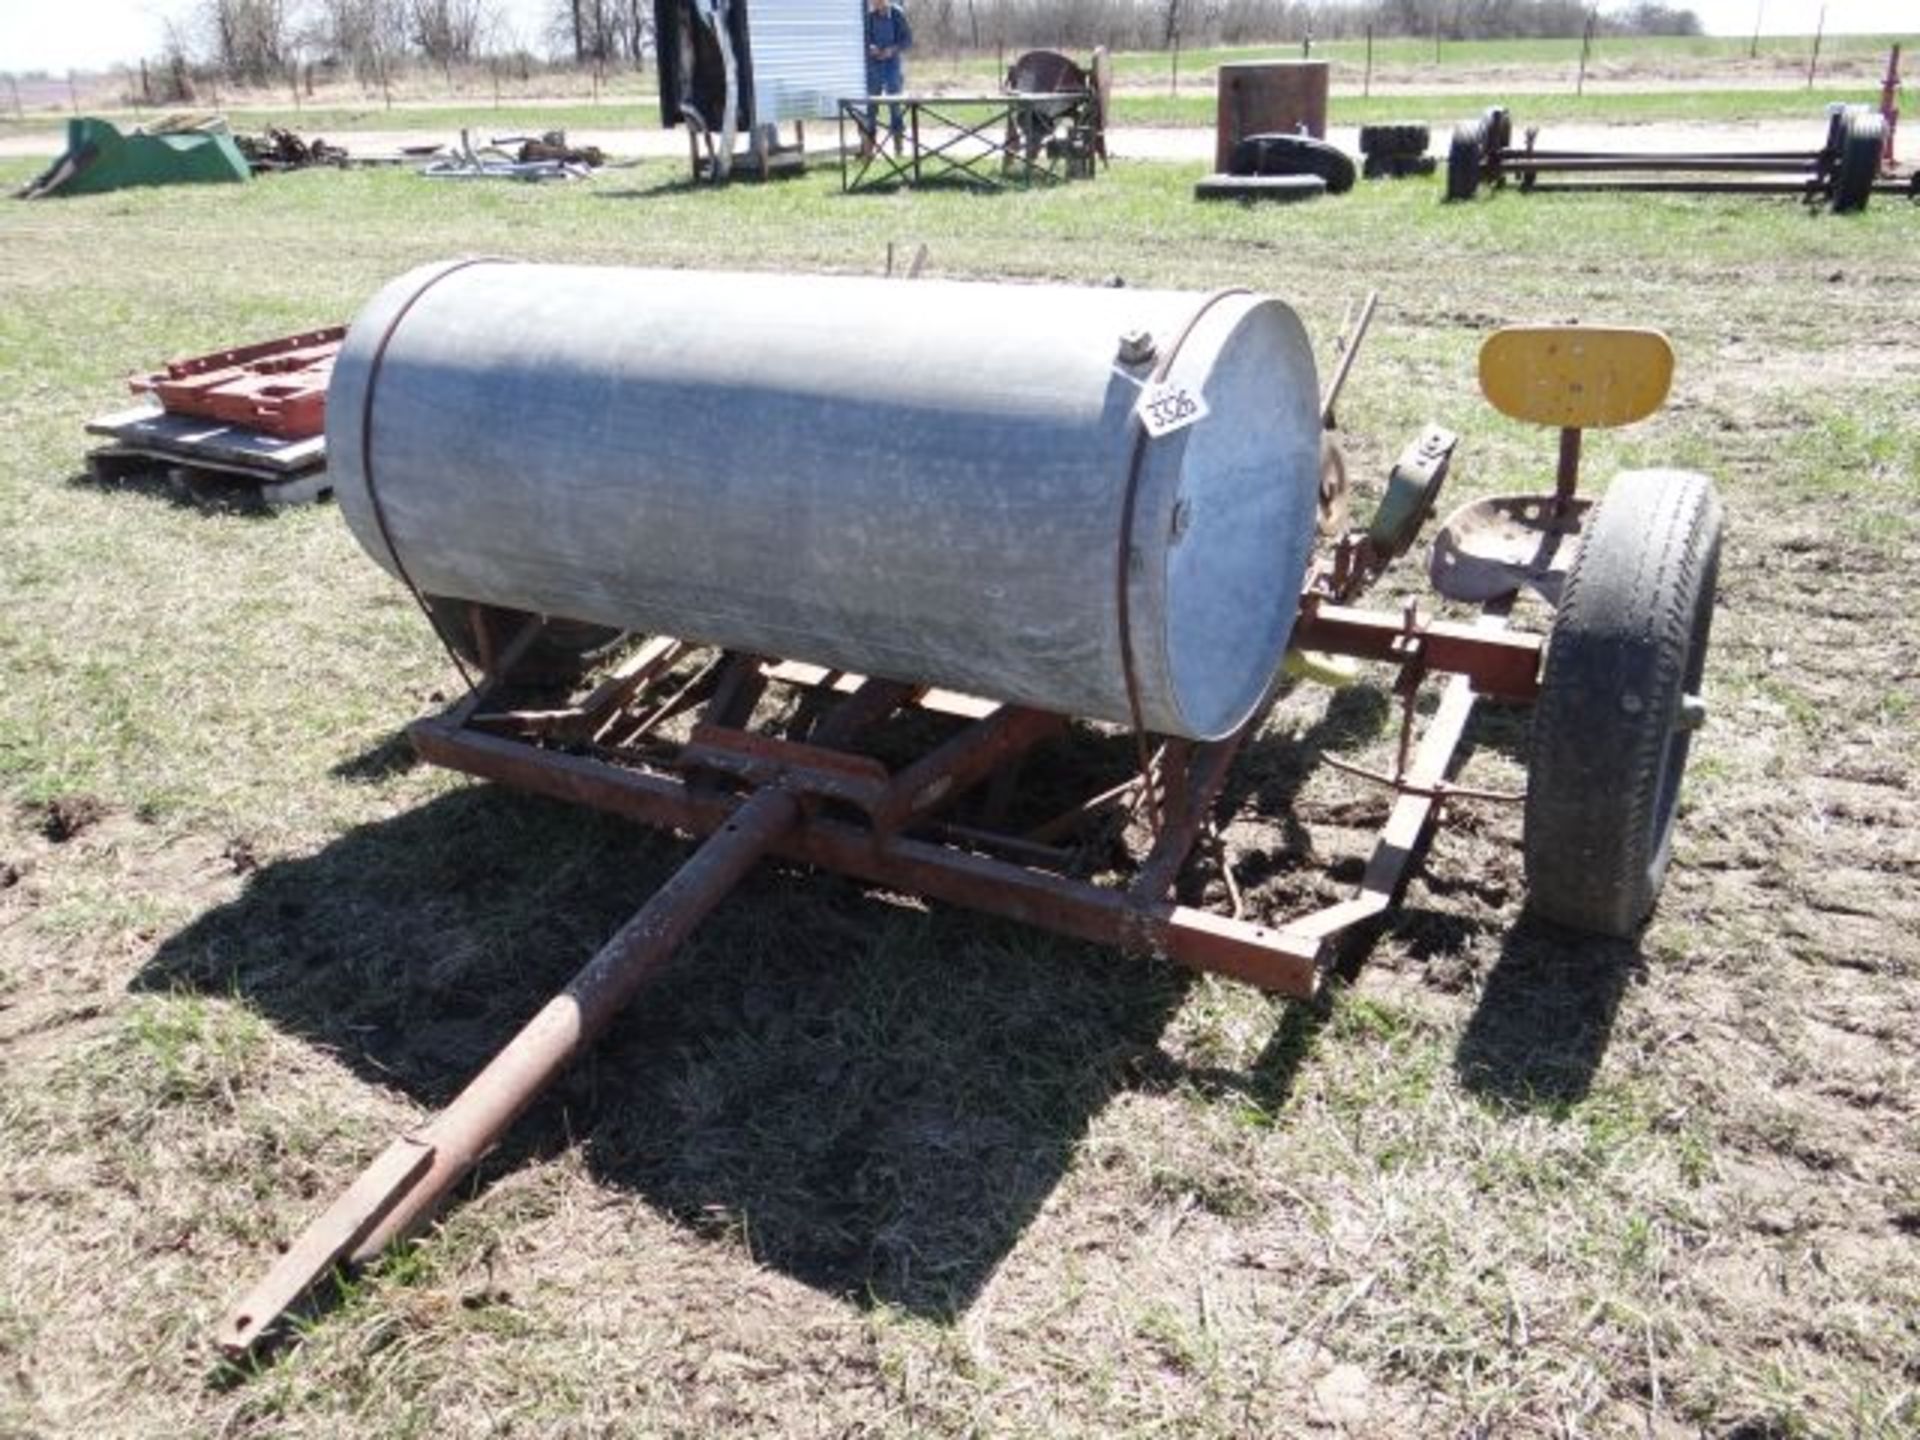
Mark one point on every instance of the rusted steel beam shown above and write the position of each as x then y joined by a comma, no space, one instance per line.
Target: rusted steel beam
1203,771
809,769
1679,157
406,1184
1076,817
1547,162
398,1194
324,1244
629,730
952,769
743,681
1257,954
328,338
627,679
1408,824
1759,186
1502,663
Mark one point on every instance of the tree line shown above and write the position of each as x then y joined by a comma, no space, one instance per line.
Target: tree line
1162,24
264,42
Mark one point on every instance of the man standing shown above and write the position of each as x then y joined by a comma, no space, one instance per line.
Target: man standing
888,37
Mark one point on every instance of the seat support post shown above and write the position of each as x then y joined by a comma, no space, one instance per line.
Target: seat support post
1567,478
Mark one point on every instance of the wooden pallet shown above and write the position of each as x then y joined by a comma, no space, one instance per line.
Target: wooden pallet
207,458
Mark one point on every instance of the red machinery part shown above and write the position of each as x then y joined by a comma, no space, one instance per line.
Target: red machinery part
1890,108
277,387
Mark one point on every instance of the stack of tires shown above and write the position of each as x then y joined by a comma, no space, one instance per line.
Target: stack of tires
1394,151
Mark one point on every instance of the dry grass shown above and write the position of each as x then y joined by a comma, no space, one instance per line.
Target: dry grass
863,1168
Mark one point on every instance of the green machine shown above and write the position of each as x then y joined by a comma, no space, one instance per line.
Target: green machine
100,158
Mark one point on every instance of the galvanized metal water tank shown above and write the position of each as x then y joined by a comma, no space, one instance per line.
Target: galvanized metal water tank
924,481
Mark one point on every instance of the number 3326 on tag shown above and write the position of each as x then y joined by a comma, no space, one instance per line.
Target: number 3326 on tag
1170,406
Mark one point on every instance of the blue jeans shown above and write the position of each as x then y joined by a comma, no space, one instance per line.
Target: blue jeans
885,77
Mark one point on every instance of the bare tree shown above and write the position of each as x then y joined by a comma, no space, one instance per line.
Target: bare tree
449,32
252,39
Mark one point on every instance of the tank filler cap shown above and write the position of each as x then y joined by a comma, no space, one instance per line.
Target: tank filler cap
1136,347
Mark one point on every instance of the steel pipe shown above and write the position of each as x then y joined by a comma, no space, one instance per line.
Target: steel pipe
404,1187
1727,164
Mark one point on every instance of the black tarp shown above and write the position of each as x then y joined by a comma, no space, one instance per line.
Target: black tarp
684,44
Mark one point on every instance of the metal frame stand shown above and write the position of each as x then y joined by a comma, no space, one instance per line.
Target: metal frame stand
977,135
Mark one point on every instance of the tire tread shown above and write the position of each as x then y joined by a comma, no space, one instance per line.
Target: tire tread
1596,844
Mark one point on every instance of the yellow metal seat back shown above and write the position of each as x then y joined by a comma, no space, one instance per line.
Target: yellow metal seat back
1576,377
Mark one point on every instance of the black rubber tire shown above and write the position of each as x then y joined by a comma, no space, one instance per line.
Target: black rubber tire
1275,189
1499,127
1862,135
564,650
1294,155
1394,140
1397,167
1465,156
1609,747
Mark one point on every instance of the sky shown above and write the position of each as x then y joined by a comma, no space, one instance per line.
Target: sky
57,35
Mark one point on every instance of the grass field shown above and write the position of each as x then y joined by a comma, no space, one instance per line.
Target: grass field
862,1168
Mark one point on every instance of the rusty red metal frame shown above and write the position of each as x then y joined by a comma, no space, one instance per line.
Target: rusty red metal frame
818,798
668,737
878,825
278,386
1890,111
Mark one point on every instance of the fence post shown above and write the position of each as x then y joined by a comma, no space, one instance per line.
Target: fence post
1366,80
1586,46
1819,29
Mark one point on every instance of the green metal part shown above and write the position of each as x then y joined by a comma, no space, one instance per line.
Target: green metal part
99,158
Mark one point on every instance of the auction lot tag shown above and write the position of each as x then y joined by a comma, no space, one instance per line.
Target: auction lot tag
1170,406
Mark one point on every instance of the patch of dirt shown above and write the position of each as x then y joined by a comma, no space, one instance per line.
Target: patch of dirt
241,855
67,817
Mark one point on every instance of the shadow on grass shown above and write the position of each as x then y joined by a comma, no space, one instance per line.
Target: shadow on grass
206,491
878,1097
687,185
393,754
1545,1016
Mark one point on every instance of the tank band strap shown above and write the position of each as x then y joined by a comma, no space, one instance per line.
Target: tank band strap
1129,501
366,452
